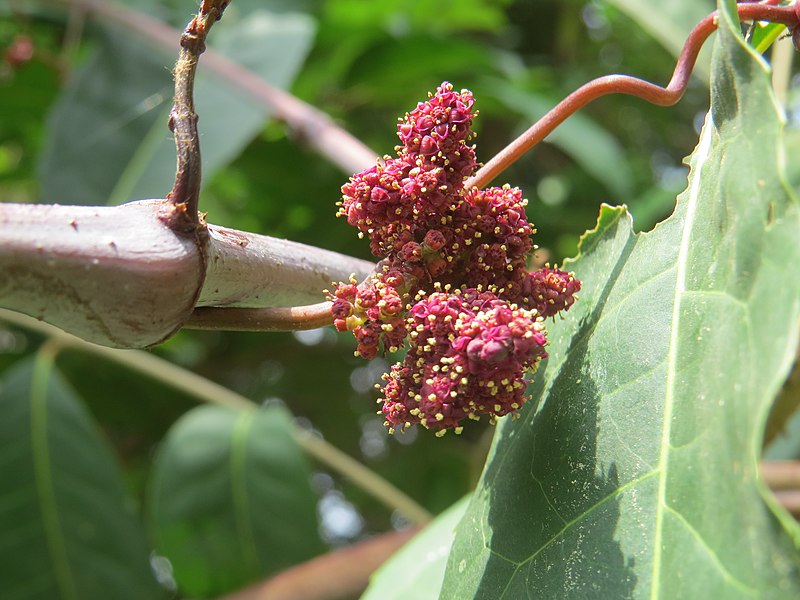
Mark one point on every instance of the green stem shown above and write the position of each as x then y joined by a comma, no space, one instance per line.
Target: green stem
206,390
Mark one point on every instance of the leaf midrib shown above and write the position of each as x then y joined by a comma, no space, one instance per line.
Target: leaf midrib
239,474
692,198
43,476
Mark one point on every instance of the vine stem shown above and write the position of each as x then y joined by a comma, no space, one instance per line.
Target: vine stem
206,390
290,318
185,195
628,85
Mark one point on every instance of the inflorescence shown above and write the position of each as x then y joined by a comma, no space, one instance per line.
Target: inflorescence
452,284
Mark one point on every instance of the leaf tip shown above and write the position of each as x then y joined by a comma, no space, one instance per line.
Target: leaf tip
609,216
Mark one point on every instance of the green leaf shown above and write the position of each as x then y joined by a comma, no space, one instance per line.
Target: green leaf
669,22
765,34
231,500
633,471
109,141
417,569
67,527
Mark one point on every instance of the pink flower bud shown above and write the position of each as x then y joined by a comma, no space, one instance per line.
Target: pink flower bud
366,298
434,240
436,266
341,309
411,252
550,290
428,146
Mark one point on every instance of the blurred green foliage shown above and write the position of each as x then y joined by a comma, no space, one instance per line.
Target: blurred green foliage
367,63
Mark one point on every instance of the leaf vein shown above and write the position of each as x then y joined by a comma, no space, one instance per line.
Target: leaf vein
741,303
586,513
712,554
48,504
547,498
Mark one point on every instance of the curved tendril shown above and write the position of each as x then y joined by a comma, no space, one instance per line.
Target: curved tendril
629,85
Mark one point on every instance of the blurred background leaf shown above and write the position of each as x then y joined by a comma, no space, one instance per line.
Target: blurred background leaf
107,137
231,499
417,569
589,144
69,528
670,23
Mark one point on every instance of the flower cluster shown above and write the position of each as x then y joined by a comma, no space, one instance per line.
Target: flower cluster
452,281
398,200
374,313
549,291
468,352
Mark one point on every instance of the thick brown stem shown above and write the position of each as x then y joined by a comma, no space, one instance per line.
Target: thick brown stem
118,276
625,84
248,270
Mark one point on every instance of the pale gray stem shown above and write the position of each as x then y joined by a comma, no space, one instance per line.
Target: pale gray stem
256,271
117,276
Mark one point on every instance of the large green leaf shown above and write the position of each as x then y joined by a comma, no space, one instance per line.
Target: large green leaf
67,527
231,499
634,470
108,138
417,569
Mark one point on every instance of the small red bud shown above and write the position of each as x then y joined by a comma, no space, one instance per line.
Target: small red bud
437,266
411,252
366,298
434,240
20,51
341,309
